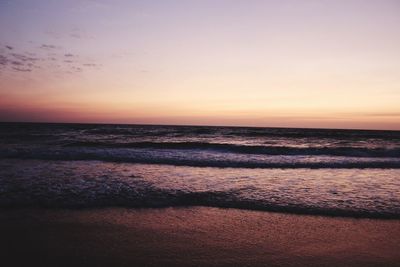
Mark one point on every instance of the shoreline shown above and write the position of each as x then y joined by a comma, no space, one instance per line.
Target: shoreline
193,236
285,211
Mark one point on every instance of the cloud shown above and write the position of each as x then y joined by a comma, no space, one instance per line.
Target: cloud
24,58
48,46
17,63
3,60
384,114
21,62
77,69
48,57
21,69
76,35
371,114
80,34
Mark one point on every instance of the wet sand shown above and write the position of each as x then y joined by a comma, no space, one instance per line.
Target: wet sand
193,237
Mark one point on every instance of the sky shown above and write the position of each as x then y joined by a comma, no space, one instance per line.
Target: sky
286,63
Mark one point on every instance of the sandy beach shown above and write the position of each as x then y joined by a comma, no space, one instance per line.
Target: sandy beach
197,236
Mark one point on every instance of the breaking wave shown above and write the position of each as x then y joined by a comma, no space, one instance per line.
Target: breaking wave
250,149
202,158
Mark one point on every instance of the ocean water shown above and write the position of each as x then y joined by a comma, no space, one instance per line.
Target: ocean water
310,171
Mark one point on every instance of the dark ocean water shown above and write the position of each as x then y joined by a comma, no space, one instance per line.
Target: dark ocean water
314,171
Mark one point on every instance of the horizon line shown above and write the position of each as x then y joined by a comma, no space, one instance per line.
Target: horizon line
198,125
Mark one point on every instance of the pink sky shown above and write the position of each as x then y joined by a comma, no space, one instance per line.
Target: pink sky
331,64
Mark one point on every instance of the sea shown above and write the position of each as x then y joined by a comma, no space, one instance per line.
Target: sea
329,172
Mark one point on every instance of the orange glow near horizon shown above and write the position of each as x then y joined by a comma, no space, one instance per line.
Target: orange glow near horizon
310,64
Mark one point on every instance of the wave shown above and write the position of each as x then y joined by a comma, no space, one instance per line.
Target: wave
201,159
316,133
250,149
126,196
170,130
83,184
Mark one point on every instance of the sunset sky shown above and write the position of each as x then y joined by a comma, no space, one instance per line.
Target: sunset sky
330,64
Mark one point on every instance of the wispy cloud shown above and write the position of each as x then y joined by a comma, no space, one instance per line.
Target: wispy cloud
21,69
80,34
21,62
384,114
3,60
49,57
90,65
369,114
49,46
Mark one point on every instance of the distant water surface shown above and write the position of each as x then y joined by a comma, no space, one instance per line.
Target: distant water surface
314,171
